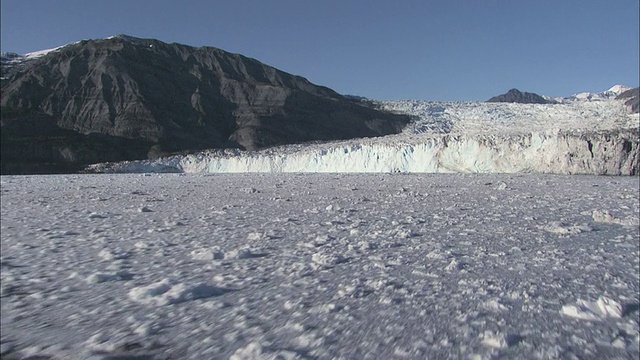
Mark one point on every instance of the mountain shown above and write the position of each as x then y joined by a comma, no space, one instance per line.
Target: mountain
631,99
516,96
125,98
611,93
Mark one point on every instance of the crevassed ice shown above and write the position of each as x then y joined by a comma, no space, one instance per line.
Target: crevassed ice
576,138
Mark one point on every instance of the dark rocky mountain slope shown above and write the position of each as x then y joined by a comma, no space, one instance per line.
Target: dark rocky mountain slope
125,98
516,96
632,99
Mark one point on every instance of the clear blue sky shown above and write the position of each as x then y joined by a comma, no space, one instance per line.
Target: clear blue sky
383,49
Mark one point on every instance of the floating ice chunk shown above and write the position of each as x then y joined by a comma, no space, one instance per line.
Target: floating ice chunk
606,217
249,352
494,340
557,227
255,351
354,290
150,294
147,329
101,344
501,185
603,308
165,292
406,234
494,305
327,259
213,253
98,338
603,217
307,340
322,240
332,207
254,236
95,215
181,292
244,252
273,234
117,254
97,278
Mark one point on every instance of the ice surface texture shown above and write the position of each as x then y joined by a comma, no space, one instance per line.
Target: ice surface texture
289,266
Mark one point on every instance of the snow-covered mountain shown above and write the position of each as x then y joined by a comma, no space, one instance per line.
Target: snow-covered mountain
611,93
575,137
608,94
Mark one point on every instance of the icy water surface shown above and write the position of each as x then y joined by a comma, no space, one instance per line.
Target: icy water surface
291,266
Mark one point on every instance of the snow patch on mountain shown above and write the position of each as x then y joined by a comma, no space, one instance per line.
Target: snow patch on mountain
41,53
603,95
618,89
13,58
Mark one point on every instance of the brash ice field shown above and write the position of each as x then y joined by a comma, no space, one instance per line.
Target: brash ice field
319,266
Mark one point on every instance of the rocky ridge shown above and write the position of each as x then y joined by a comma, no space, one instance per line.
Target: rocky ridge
631,99
125,98
516,96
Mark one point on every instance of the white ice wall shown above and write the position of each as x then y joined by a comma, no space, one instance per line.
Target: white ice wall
611,153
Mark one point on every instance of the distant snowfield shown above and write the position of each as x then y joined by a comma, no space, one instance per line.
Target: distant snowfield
578,136
319,266
472,118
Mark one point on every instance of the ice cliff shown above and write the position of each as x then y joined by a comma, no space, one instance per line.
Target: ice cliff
574,138
607,153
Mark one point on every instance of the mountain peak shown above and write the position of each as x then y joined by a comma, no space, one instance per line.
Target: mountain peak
131,39
516,96
618,89
115,101
611,93
124,37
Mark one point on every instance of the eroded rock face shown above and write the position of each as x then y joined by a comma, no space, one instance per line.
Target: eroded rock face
160,98
631,99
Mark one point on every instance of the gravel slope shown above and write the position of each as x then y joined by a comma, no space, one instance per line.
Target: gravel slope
380,266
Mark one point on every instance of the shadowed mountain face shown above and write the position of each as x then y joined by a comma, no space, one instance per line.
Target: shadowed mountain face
516,96
125,98
631,99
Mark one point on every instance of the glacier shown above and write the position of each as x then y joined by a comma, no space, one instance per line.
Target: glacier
558,153
598,153
575,137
